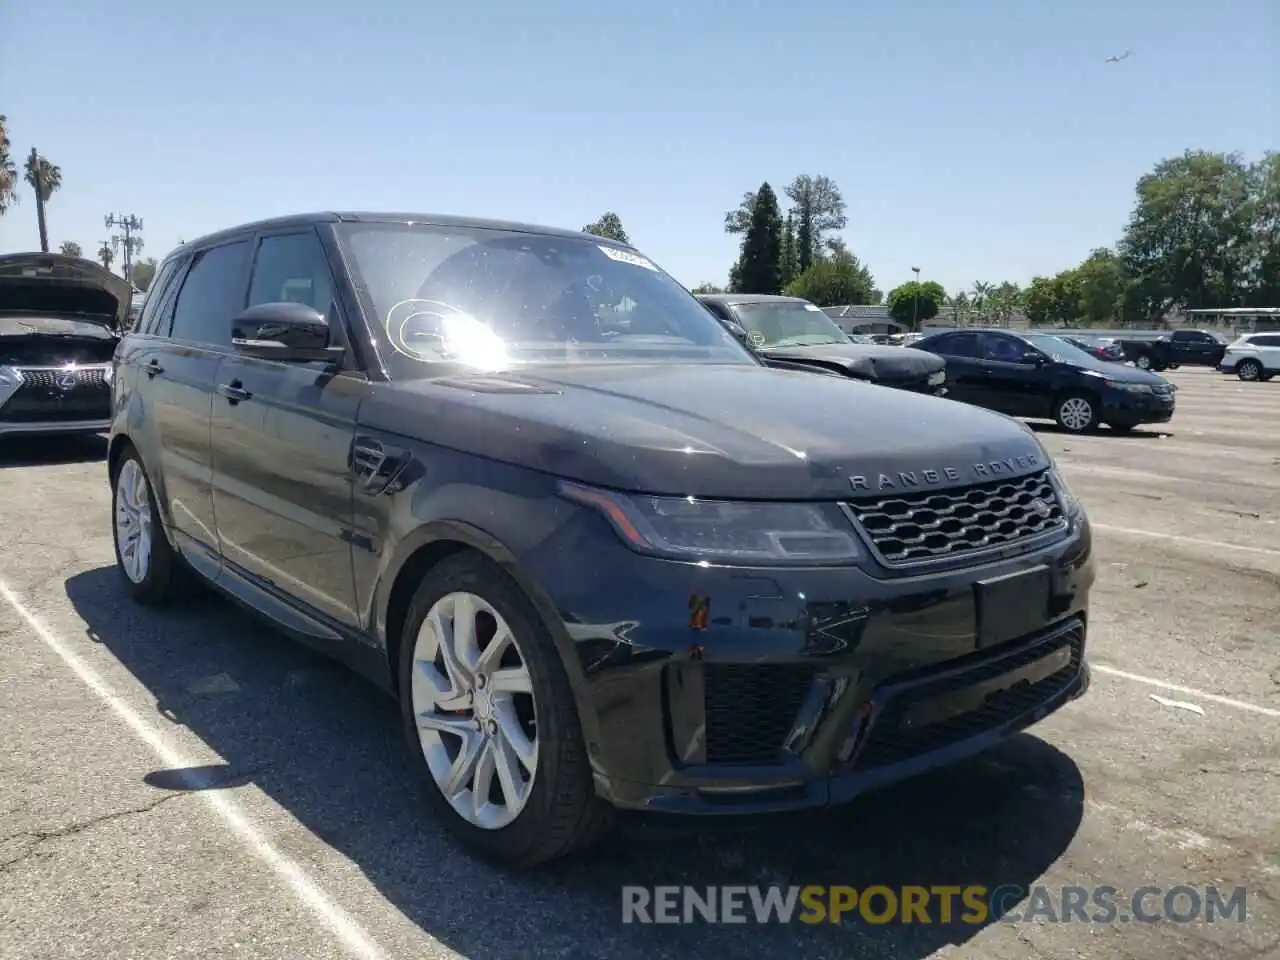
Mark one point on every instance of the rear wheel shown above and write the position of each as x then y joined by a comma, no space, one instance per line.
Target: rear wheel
1076,413
144,557
1249,370
490,718
1143,362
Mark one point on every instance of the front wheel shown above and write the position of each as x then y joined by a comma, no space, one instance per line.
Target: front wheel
1249,370
491,720
143,555
1076,413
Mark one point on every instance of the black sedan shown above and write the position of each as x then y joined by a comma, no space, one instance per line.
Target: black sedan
1043,377
791,332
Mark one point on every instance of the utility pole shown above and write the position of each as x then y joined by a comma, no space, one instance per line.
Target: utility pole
130,227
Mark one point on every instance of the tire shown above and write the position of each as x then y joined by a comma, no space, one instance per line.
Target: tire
1076,413
150,568
1143,362
555,811
1249,370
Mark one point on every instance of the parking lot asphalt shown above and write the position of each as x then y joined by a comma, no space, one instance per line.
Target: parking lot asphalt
186,783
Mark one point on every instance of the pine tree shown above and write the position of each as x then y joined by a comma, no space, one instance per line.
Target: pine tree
760,265
789,269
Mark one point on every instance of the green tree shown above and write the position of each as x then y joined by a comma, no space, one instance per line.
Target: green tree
1187,242
835,282
144,271
759,266
8,171
738,219
789,267
1264,216
1053,301
69,248
610,227
44,179
706,286
819,210
915,301
1003,302
1098,285
106,254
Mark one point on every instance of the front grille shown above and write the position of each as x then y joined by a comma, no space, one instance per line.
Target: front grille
42,397
1164,390
751,708
916,527
891,741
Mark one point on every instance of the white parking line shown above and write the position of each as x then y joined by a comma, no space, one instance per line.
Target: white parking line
1217,544
347,930
1189,691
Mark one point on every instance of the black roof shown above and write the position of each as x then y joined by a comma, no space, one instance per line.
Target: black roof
351,216
732,298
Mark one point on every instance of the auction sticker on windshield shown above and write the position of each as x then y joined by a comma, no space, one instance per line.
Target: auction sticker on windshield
626,256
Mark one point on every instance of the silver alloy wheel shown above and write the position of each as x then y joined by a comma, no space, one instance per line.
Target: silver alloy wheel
1076,413
1143,363
133,521
473,701
1248,370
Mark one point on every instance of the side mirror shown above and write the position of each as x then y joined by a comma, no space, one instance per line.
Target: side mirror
284,331
738,332
1033,358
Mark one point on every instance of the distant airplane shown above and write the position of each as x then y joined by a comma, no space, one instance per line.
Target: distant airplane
1123,56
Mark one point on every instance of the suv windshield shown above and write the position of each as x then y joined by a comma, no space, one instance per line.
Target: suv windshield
492,299
787,323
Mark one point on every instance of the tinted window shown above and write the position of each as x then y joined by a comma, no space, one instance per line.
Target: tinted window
1265,341
211,295
951,345
1003,349
291,268
156,294
162,318
492,299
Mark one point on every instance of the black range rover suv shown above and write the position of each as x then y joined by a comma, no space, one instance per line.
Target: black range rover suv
60,321
602,555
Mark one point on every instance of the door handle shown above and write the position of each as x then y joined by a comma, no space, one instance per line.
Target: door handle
234,391
153,368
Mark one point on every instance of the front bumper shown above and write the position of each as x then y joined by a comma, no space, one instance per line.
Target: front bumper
1132,409
708,690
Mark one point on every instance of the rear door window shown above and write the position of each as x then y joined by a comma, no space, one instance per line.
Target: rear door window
952,345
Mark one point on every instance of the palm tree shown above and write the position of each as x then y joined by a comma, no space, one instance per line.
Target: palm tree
8,172
959,304
981,290
106,254
44,178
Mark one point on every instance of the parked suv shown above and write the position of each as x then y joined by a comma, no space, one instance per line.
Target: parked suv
1253,356
603,556
60,320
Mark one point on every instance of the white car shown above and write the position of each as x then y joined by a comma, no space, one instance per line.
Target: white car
1253,356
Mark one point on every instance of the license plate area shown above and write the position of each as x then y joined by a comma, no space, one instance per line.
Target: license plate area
1012,606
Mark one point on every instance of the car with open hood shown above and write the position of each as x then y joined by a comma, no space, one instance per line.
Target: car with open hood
1041,376
602,555
60,320
790,332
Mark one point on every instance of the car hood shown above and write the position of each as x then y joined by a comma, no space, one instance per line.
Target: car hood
71,287
716,431
1118,372
863,360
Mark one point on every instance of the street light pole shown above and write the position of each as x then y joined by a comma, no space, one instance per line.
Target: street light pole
915,303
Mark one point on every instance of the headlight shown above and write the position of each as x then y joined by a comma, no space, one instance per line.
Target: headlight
937,378
686,528
1070,505
1130,387
109,373
9,377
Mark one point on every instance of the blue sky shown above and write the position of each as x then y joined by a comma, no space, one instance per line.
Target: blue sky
977,139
